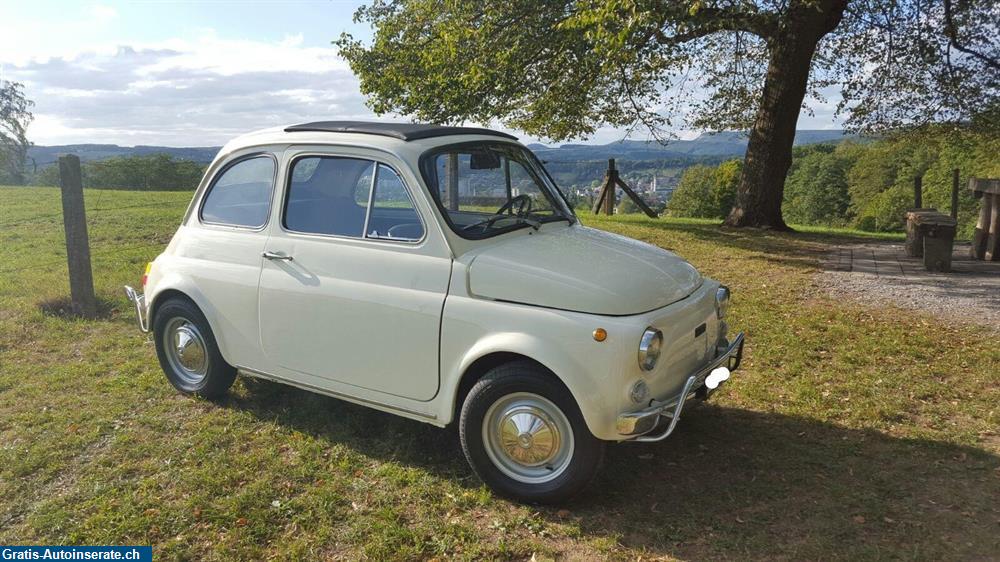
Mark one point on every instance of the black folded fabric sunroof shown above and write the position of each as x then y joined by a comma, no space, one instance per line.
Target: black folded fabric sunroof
402,131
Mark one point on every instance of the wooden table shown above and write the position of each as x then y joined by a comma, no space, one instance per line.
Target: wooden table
986,240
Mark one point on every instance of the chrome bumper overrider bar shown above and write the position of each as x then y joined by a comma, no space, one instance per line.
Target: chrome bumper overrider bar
139,300
636,425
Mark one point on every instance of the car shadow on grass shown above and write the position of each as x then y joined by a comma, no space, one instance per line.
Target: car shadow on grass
730,483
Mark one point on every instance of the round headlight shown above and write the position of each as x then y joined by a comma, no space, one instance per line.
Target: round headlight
649,348
721,302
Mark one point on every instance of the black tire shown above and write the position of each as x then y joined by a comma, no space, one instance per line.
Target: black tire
182,314
502,386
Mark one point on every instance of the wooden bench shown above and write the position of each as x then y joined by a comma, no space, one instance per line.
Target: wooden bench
986,240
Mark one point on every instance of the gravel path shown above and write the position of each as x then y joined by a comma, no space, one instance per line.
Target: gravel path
880,273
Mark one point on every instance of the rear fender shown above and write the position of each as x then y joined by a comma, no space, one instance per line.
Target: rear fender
174,284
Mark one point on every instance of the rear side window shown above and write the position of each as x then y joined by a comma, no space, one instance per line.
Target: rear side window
241,194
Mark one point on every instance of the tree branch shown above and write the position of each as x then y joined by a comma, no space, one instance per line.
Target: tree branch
706,21
952,35
640,113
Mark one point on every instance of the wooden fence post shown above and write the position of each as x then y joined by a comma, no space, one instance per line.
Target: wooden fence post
954,193
606,198
918,192
81,280
609,199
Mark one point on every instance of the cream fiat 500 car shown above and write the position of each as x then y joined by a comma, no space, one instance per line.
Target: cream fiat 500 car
437,273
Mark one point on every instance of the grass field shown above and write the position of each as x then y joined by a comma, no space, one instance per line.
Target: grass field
849,432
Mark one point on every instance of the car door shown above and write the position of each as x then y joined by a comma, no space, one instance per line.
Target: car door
352,287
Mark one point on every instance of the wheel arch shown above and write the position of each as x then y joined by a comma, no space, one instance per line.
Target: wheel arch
484,364
195,297
488,355
162,297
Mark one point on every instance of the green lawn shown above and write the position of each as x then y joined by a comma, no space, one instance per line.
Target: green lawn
849,433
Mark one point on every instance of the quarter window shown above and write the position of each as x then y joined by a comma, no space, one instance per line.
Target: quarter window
241,194
392,215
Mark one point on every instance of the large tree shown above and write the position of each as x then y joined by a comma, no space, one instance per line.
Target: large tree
15,115
562,68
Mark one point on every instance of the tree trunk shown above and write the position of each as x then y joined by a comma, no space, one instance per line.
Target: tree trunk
769,150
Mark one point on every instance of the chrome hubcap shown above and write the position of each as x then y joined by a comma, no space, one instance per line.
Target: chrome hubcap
528,437
185,350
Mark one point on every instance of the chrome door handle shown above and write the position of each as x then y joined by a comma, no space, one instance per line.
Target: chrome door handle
276,256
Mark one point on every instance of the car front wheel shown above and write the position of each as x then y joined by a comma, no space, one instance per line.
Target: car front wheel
188,353
523,434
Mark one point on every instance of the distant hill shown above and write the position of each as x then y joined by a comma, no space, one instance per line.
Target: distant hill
708,146
45,155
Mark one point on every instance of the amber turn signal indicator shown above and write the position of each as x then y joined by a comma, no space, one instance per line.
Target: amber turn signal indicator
600,334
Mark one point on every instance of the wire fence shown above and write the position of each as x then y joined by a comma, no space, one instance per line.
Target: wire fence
121,250
31,235
90,214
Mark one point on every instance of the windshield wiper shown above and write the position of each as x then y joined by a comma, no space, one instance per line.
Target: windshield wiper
489,222
554,217
561,217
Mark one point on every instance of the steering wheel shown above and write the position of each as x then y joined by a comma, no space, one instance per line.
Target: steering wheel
522,201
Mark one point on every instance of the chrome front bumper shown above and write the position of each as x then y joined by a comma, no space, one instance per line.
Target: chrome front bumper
635,426
139,301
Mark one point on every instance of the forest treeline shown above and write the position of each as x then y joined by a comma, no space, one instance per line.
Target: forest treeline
154,172
864,185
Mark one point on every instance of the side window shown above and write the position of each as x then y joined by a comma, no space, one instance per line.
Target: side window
392,215
328,195
241,194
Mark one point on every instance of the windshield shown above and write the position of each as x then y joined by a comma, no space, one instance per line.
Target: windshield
487,188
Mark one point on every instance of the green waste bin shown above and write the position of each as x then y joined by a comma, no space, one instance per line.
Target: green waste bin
934,234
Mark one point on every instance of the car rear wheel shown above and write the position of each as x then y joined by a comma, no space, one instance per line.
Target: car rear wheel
188,352
523,434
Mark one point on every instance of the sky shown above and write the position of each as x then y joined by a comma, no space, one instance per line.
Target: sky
193,73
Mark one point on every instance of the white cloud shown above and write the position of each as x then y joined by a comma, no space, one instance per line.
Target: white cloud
235,56
185,92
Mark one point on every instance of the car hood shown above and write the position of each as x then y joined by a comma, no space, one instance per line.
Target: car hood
581,269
